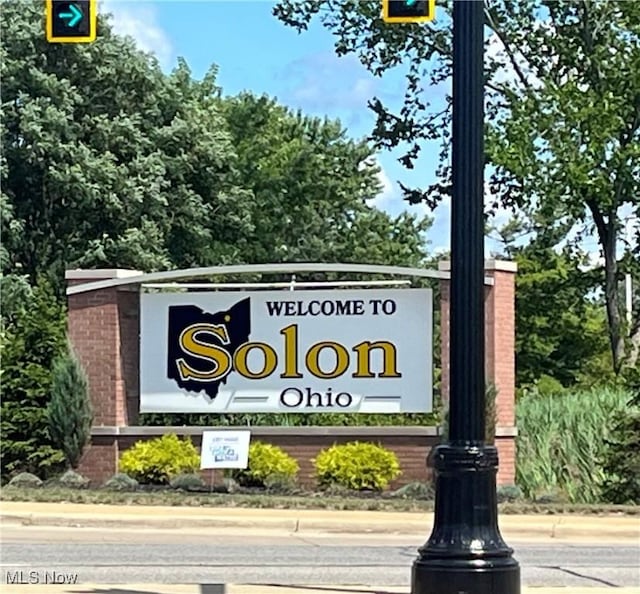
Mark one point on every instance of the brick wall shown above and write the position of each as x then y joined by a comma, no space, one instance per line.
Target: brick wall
104,327
500,357
411,444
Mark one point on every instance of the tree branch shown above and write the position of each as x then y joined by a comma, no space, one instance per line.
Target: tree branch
492,20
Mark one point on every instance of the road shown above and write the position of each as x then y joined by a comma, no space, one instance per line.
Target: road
135,556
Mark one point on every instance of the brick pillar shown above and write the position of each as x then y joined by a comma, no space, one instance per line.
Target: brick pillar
500,327
103,329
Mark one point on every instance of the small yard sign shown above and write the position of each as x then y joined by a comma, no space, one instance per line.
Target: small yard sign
225,449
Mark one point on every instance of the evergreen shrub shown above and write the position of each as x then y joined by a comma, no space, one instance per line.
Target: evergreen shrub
121,482
187,482
69,411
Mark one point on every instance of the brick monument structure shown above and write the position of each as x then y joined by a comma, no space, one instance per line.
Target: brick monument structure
104,327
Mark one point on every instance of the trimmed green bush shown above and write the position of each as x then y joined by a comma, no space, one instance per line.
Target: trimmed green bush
157,461
357,465
121,482
269,466
72,480
69,411
187,482
25,480
561,442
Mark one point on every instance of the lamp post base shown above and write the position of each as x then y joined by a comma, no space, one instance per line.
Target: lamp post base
465,553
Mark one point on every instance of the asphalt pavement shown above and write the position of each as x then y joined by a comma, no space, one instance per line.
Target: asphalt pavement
110,549
112,556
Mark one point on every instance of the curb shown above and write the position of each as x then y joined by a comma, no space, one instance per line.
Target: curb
304,522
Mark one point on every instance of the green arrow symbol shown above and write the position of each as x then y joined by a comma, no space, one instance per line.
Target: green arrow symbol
74,16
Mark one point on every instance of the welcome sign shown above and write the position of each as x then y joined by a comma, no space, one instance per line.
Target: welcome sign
364,351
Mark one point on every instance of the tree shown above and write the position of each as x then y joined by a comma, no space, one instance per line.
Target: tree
69,411
313,189
563,107
560,324
33,327
109,162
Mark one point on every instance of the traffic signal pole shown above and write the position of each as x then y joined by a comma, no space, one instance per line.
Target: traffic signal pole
465,553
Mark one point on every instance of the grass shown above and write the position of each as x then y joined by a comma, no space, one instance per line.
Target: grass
561,441
308,501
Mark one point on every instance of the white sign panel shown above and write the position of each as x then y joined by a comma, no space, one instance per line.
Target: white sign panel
364,351
225,449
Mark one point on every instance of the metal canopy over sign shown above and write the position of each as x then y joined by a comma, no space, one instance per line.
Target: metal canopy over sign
361,350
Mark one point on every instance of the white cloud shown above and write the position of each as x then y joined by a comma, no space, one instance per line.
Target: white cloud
385,197
139,21
388,191
325,82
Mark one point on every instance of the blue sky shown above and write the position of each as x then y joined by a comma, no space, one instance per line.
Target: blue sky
255,52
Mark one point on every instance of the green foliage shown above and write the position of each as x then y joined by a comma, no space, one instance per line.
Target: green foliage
69,411
109,162
293,420
357,465
121,482
158,460
25,480
621,457
33,336
561,441
416,490
509,493
561,332
268,466
73,480
98,128
180,176
187,482
562,142
310,184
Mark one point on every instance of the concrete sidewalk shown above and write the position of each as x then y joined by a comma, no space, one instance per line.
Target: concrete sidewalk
265,589
561,527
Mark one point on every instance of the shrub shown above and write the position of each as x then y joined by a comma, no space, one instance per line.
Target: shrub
158,460
621,456
509,493
561,440
73,480
25,480
187,482
357,466
269,466
121,482
69,412
33,336
416,490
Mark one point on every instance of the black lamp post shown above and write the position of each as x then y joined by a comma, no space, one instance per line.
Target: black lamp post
465,553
